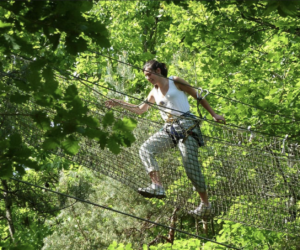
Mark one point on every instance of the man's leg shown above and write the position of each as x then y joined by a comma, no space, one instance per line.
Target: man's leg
155,178
189,153
155,145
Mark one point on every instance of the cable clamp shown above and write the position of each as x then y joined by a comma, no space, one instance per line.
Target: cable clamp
283,144
199,94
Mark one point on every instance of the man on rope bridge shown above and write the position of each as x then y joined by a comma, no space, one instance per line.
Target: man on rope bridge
181,129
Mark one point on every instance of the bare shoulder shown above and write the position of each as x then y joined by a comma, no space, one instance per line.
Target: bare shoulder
151,96
180,83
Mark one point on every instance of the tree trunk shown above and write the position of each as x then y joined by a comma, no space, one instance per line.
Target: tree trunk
150,31
8,213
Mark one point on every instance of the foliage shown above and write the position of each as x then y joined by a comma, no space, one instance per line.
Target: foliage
238,49
40,43
178,245
30,208
250,238
83,226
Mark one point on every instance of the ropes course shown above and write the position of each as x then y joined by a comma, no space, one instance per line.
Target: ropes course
253,181
251,178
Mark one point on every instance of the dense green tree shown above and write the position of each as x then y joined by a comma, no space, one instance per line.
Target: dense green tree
87,227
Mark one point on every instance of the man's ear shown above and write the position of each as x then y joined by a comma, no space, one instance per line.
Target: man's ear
158,71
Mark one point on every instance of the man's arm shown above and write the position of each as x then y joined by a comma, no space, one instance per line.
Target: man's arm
137,109
187,88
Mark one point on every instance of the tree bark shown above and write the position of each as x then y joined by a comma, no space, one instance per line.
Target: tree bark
8,213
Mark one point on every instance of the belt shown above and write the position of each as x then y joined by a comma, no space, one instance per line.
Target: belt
187,132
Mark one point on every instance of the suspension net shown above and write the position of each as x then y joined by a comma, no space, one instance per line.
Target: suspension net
250,178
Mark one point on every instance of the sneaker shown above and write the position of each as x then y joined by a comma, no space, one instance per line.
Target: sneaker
153,191
202,210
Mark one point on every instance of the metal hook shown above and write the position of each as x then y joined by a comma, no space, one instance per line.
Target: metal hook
207,93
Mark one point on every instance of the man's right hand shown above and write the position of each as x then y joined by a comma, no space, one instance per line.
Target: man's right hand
112,103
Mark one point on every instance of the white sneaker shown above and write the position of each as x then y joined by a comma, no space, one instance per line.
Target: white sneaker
202,210
153,191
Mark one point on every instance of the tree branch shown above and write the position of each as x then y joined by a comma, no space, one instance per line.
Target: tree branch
266,24
16,114
78,224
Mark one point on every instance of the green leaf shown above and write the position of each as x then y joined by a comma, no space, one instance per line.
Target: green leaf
15,140
77,106
30,164
18,98
37,65
22,85
21,247
86,6
288,7
271,6
128,246
69,127
4,25
71,92
6,171
11,41
50,83
108,119
4,144
113,146
123,129
54,39
98,135
50,143
129,124
75,45
71,145
129,139
281,12
23,152
42,120
34,79
92,122
20,169
45,101
250,2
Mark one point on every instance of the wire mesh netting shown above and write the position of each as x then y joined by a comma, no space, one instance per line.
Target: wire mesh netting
250,178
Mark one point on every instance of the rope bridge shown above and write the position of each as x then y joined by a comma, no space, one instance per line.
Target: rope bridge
250,178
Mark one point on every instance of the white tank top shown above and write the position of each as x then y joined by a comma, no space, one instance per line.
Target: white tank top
175,101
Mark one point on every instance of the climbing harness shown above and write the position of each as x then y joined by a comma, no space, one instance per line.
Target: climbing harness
183,133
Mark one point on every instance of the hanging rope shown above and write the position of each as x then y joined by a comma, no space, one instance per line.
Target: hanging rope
154,105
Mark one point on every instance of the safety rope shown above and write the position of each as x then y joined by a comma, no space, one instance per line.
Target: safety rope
230,99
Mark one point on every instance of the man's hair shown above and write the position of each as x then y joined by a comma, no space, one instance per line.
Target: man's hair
154,65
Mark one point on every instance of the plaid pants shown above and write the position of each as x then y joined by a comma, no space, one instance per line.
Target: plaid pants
161,142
